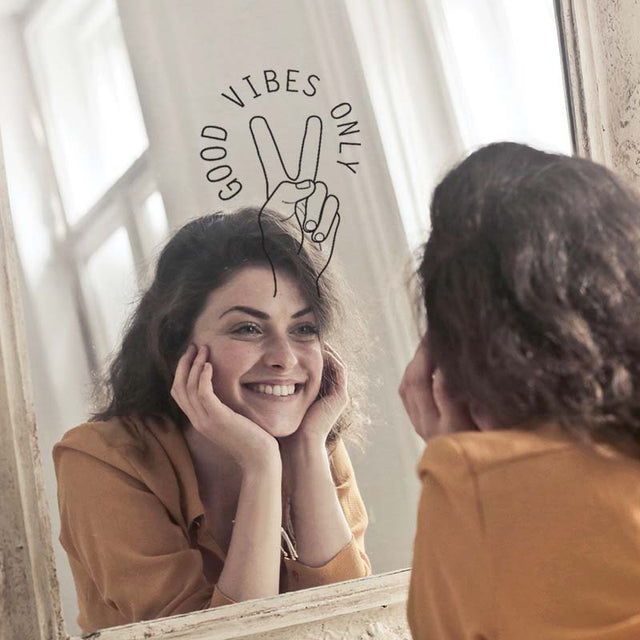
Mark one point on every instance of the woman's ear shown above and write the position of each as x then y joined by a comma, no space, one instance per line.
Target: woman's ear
454,414
479,417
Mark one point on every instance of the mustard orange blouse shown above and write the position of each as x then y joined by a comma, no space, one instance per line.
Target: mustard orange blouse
134,527
526,536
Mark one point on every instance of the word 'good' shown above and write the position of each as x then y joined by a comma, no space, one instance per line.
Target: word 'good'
216,154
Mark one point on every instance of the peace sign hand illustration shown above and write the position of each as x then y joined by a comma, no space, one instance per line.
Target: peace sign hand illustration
316,211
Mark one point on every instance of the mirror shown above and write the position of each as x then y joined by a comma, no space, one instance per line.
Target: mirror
127,119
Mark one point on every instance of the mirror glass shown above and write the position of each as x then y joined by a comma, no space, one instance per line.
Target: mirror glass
122,120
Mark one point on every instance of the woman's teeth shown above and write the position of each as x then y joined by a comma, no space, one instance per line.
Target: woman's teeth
275,390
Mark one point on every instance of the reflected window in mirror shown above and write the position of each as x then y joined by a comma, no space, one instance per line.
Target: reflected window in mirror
489,70
108,278
503,63
151,221
111,216
87,97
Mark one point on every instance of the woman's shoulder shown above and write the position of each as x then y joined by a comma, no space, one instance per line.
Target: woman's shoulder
149,454
114,431
115,439
474,452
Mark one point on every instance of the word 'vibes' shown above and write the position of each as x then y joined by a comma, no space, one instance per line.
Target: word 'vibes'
270,82
251,88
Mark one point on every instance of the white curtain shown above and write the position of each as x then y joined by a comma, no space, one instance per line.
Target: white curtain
447,76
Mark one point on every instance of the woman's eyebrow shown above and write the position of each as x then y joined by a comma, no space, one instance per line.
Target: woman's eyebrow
249,310
261,314
302,312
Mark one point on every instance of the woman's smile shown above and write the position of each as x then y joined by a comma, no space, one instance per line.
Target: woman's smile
275,389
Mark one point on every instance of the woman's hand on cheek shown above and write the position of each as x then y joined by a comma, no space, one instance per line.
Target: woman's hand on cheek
426,401
248,444
324,412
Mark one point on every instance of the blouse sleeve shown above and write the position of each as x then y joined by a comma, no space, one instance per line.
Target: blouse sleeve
351,561
451,589
139,559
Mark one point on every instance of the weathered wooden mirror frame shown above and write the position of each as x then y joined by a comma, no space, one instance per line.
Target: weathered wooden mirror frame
603,78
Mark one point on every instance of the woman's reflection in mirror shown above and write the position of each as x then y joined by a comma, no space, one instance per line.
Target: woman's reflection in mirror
215,469
527,387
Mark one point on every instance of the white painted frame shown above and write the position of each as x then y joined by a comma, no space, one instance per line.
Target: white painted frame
603,80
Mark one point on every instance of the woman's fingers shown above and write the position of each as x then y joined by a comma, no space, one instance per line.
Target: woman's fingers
411,407
329,349
206,396
417,409
193,379
413,411
333,360
183,367
341,371
424,393
418,379
187,383
336,375
417,395
178,389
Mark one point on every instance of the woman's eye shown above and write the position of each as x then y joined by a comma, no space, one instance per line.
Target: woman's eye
247,330
307,330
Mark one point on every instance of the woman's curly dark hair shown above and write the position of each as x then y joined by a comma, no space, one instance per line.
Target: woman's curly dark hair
531,283
198,259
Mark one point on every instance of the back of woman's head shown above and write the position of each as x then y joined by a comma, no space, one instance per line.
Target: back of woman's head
531,282
202,256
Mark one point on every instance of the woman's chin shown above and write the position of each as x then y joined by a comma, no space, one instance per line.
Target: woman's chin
277,426
280,430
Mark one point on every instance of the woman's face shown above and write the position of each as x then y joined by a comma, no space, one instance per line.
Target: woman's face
266,354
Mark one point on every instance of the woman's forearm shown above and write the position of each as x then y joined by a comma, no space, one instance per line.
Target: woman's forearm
252,566
320,527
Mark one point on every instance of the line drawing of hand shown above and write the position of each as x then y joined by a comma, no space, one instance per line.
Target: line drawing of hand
302,196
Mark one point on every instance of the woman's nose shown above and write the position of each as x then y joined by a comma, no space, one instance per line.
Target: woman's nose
279,354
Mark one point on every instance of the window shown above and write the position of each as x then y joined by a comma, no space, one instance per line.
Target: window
503,63
112,216
490,70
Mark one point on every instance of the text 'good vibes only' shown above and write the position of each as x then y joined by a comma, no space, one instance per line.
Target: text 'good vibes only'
271,83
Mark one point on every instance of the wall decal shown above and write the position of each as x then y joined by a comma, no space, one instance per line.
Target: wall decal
288,192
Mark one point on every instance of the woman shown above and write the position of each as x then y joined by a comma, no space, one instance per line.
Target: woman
527,387
220,440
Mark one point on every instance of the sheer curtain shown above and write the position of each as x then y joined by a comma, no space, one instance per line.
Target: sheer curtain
446,76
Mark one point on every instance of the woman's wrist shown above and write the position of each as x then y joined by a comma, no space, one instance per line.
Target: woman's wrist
261,477
302,446
305,460
264,460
